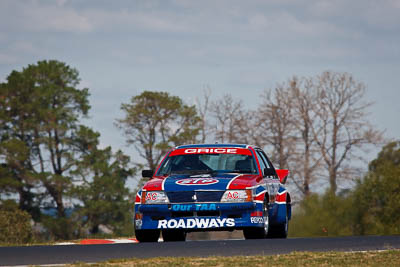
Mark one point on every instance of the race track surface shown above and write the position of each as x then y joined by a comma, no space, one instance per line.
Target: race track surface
10,256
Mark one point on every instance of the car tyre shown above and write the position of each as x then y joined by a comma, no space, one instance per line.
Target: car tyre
279,230
173,235
147,235
259,232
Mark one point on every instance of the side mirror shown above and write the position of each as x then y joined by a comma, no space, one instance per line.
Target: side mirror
147,173
268,172
283,175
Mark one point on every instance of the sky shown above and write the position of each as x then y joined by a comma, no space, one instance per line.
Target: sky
124,47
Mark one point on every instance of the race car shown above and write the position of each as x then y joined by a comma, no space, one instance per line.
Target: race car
213,187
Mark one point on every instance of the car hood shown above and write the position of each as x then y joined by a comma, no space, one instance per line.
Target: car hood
201,182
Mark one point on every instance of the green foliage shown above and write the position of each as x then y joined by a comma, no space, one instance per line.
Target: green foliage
390,155
15,226
8,205
371,208
101,190
48,156
59,228
322,215
156,121
377,197
39,118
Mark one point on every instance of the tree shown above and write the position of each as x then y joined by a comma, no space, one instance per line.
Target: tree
42,143
203,109
99,185
39,117
275,124
376,197
323,215
314,126
283,125
156,121
16,138
305,159
227,114
342,126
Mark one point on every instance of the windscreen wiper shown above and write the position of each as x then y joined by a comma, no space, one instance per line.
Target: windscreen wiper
191,172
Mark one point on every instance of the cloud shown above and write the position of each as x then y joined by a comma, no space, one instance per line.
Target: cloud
129,20
383,16
310,17
55,18
61,2
377,15
40,16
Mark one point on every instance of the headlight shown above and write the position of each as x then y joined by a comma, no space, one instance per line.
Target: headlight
237,196
154,197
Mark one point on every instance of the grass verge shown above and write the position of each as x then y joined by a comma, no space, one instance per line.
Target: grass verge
370,258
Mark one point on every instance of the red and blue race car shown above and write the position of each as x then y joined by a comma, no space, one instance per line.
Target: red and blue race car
213,187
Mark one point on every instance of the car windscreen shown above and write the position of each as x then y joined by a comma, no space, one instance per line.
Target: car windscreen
230,161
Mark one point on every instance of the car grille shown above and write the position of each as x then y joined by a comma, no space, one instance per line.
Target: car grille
189,196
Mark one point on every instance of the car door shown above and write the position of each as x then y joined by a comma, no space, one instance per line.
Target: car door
270,178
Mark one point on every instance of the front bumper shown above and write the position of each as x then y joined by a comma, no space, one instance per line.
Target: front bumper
199,216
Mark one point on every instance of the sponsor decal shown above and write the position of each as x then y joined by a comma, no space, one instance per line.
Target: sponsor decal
204,150
151,196
256,219
138,223
210,150
196,223
195,207
232,195
256,214
197,181
201,176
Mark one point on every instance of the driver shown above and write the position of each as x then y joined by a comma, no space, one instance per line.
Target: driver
192,162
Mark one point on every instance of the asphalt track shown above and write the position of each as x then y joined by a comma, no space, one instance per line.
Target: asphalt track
43,255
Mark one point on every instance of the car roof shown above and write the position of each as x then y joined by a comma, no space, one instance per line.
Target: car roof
214,145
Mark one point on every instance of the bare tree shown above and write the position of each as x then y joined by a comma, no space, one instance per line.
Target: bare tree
317,127
305,160
275,124
283,126
343,125
203,106
226,113
248,127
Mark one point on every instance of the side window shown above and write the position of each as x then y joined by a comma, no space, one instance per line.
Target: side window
268,163
264,157
261,161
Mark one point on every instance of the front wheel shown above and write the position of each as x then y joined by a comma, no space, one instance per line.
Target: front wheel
259,232
147,235
280,230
